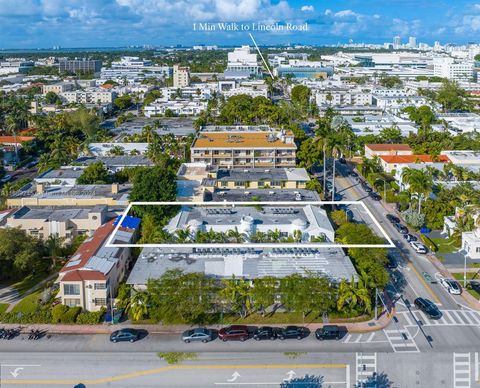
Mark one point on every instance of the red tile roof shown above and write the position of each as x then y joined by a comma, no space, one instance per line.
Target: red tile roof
82,275
399,159
90,246
388,147
11,139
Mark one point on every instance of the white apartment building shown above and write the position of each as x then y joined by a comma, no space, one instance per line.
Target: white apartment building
339,96
197,92
178,108
254,88
242,64
181,76
89,96
446,67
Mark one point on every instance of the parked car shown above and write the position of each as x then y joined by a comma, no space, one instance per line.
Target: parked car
401,228
6,178
288,332
393,219
342,160
452,286
392,262
122,335
353,174
366,187
198,334
409,237
375,196
428,307
265,332
234,332
475,285
328,332
419,248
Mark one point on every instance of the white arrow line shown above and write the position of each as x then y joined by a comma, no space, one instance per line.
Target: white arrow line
235,376
16,372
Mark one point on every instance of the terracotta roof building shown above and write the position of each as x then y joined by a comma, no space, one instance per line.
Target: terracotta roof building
372,150
91,276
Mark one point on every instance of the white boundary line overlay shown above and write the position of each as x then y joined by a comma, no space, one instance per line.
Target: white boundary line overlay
390,244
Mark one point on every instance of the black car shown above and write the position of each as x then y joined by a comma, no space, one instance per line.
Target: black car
265,332
428,307
328,332
291,332
367,188
353,174
392,262
342,160
393,219
409,237
401,228
375,196
122,335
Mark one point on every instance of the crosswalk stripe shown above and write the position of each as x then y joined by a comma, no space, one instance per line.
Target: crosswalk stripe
347,338
474,316
448,318
456,317
466,317
408,318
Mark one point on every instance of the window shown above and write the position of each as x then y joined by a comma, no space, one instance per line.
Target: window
71,302
100,301
71,289
477,249
100,286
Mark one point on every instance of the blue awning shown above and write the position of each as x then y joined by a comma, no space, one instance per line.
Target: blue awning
129,222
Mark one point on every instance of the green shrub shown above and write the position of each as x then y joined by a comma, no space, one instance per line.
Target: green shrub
91,318
58,311
429,243
70,315
40,316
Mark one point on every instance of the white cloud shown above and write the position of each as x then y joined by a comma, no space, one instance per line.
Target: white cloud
308,8
346,13
328,12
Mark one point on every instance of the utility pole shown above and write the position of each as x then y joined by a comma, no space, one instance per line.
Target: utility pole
376,309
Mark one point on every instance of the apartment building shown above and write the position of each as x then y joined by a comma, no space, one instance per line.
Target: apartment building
244,146
78,195
181,76
63,221
91,277
373,150
339,96
178,108
79,66
447,67
89,96
57,88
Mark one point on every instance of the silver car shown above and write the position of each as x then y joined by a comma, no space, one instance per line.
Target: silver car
197,334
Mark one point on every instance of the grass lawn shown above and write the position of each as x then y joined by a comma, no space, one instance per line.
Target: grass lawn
28,282
445,245
28,304
3,307
470,275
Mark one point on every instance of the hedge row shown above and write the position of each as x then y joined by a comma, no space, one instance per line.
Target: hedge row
58,314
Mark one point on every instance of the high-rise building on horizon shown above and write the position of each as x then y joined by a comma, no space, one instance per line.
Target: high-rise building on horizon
181,76
396,42
412,42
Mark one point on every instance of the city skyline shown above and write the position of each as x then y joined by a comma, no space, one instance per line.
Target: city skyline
48,23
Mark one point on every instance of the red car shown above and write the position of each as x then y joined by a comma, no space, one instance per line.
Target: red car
234,332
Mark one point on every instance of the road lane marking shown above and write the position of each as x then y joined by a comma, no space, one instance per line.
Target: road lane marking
170,368
427,287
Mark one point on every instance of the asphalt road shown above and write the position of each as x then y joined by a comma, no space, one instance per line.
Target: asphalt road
237,369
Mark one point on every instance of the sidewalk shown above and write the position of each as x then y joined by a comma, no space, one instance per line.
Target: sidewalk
359,327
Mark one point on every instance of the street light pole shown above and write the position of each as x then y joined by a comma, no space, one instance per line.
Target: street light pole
464,271
324,171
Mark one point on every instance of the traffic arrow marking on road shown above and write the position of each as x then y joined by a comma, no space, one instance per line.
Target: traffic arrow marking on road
290,375
16,372
235,376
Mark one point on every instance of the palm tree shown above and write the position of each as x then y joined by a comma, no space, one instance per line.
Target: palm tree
235,236
182,235
238,294
138,305
419,181
54,246
11,127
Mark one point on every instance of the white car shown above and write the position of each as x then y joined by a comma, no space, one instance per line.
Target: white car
452,286
419,248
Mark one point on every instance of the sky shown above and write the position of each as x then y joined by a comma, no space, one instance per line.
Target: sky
114,23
